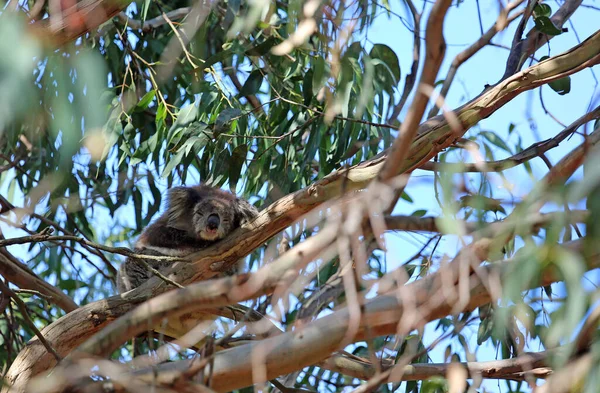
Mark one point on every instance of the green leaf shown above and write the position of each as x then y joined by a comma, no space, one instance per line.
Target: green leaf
161,115
407,197
562,86
238,158
480,202
172,163
410,269
319,74
220,169
419,213
545,25
71,284
226,115
137,203
252,84
388,57
307,87
145,101
145,8
496,140
153,207
263,48
542,9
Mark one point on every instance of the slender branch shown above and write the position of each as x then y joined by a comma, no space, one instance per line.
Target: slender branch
409,82
535,150
501,23
7,206
45,236
25,313
523,48
18,274
154,23
565,168
435,50
535,363
493,229
315,341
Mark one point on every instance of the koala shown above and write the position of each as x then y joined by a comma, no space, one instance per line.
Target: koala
195,218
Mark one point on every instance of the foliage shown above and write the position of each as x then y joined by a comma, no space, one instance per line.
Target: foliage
93,133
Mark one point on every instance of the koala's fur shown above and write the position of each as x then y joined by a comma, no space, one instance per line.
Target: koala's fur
196,217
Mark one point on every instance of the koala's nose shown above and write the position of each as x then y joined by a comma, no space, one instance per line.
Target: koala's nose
213,221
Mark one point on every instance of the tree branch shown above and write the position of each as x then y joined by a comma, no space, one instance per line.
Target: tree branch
501,23
497,369
154,23
18,274
523,48
535,150
433,136
316,341
435,50
25,313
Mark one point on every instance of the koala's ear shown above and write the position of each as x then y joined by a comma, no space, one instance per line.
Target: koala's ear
246,211
180,201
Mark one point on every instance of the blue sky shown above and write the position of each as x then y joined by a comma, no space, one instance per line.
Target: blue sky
461,29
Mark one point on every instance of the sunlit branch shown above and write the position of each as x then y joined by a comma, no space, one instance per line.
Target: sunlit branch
535,150
501,23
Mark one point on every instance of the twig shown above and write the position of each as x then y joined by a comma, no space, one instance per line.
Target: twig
535,150
414,68
23,307
523,48
153,23
501,23
435,50
158,274
45,235
7,206
34,292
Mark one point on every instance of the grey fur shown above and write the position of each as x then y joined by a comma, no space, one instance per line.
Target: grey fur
182,229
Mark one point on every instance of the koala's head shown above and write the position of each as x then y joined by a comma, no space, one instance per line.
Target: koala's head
207,213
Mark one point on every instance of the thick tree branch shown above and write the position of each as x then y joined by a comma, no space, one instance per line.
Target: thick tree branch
534,40
434,55
535,150
25,313
501,23
18,274
313,343
433,136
